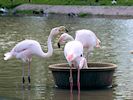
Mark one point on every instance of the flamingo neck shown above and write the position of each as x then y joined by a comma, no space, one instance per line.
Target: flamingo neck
50,48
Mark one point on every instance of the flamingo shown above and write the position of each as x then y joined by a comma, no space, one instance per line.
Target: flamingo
86,37
26,48
73,52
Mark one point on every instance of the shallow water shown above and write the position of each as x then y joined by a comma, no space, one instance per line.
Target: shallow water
116,36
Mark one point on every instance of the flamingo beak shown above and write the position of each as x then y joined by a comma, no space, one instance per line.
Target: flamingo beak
60,40
58,44
66,30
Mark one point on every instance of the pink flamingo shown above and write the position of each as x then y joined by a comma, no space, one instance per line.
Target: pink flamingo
73,52
26,48
86,37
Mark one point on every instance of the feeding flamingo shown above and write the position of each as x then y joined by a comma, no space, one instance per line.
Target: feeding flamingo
73,52
26,48
86,37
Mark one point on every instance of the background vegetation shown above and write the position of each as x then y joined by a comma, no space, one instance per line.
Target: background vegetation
13,3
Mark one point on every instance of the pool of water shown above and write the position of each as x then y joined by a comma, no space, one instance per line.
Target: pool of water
116,37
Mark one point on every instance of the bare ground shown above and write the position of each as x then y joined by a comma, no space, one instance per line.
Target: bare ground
94,10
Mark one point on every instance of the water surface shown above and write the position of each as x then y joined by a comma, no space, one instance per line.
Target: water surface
116,36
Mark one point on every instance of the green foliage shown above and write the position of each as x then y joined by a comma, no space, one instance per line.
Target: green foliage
9,4
24,12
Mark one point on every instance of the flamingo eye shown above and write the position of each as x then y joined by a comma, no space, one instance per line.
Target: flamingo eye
81,55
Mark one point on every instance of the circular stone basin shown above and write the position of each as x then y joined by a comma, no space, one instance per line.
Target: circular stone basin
98,75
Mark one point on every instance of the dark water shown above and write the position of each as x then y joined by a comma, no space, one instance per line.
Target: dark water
116,36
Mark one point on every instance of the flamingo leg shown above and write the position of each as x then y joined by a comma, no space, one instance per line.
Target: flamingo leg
23,80
29,71
71,79
78,81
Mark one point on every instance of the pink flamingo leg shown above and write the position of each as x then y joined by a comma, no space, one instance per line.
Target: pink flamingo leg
71,83
78,83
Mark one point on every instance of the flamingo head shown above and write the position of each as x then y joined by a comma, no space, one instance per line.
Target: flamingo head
64,38
58,30
98,42
62,29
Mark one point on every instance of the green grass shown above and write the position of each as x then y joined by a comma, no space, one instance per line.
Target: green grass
9,4
25,12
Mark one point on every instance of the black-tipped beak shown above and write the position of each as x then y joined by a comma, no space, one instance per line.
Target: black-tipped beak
58,45
66,30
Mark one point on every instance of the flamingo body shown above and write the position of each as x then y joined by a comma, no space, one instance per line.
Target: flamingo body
86,37
72,47
26,48
73,52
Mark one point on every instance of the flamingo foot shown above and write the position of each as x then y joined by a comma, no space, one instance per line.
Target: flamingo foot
29,79
23,80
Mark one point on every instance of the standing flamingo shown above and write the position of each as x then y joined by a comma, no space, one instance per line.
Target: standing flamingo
73,52
86,37
26,48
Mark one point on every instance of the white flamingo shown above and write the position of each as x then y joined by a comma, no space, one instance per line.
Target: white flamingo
73,52
26,48
86,37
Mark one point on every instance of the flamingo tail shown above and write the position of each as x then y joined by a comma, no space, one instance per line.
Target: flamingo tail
7,56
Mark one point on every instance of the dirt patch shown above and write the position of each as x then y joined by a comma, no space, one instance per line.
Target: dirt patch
94,10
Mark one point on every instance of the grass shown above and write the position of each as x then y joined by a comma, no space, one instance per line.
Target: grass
24,12
9,4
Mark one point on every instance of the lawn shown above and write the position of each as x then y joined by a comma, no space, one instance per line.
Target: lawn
9,4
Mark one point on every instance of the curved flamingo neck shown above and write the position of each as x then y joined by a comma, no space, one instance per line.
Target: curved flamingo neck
50,48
